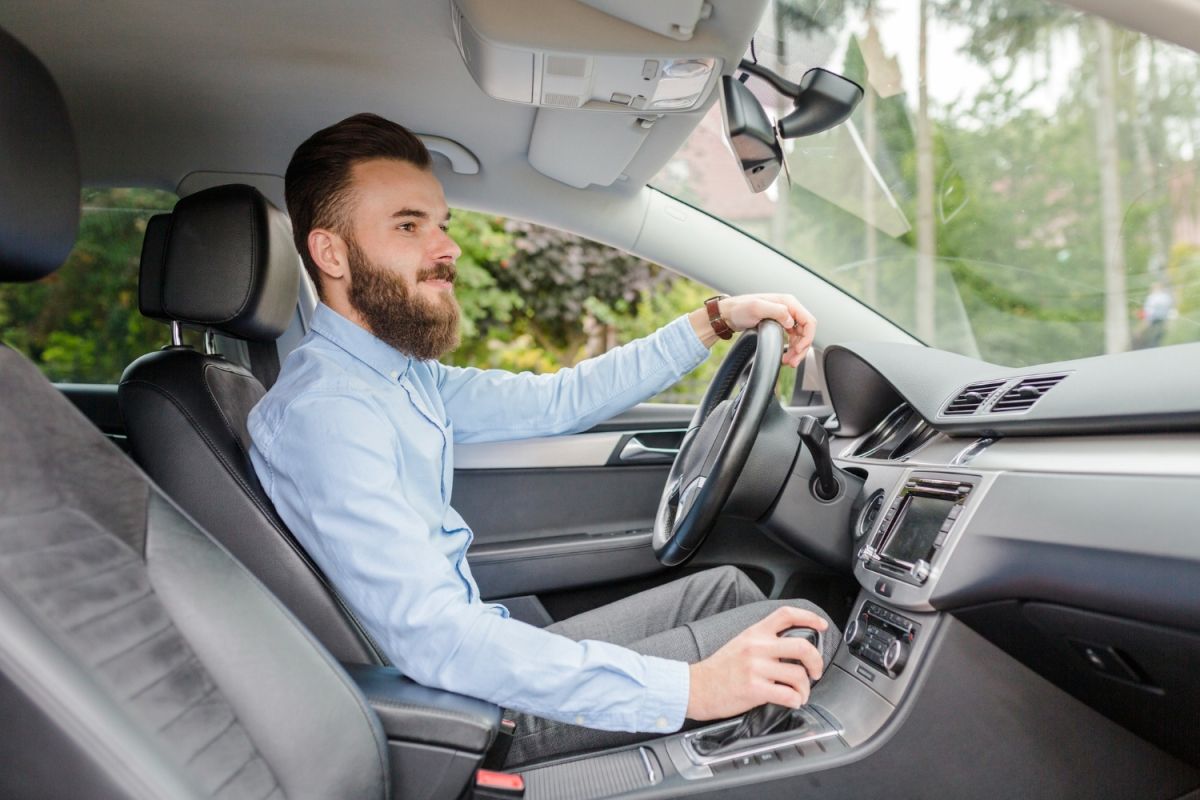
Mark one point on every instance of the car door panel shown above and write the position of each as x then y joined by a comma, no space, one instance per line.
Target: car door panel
560,514
98,402
557,513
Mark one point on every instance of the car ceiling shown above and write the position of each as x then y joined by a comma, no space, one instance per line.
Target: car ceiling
160,90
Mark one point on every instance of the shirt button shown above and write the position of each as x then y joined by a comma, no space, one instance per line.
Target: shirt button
395,375
661,723
579,719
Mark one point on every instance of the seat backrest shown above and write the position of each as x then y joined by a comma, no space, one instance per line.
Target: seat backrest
137,657
224,260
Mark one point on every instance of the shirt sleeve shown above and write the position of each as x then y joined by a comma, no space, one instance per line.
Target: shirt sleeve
335,472
496,405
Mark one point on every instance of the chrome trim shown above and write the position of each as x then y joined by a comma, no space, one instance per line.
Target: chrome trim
888,424
648,765
820,725
579,450
964,456
635,451
176,334
575,450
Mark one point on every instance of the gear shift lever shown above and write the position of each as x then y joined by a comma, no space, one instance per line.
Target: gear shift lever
766,719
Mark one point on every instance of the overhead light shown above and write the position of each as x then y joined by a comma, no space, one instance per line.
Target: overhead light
675,102
690,68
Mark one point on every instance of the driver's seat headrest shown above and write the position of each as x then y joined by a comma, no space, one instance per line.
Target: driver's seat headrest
223,259
39,168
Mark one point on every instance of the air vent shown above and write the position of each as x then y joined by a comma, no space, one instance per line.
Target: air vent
1022,396
971,398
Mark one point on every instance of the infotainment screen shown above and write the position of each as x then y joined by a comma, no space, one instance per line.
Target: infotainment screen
920,520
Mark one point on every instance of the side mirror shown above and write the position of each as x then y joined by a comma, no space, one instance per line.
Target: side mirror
750,134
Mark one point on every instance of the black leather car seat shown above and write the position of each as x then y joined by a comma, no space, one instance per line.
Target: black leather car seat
138,659
224,260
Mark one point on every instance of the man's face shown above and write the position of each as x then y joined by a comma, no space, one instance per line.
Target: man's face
401,258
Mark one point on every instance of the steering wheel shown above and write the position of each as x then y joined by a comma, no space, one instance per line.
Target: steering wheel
717,443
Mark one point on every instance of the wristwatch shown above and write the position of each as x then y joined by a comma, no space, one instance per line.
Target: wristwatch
720,326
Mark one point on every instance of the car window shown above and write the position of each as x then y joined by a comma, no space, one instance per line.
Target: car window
538,299
81,324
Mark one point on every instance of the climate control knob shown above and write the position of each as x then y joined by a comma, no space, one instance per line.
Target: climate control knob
895,657
853,634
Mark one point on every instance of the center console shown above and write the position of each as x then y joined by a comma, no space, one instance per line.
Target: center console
435,739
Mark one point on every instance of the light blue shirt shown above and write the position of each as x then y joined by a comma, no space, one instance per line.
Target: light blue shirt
355,446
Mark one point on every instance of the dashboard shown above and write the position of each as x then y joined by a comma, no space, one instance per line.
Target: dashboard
1052,509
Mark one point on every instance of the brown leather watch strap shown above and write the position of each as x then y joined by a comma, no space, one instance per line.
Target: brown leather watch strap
720,327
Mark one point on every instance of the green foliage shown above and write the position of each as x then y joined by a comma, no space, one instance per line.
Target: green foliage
526,292
81,323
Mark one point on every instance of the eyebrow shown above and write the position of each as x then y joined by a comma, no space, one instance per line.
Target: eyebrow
416,213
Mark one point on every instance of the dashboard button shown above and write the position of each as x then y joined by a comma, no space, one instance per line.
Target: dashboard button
883,588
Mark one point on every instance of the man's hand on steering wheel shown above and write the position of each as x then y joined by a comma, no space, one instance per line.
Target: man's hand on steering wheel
746,311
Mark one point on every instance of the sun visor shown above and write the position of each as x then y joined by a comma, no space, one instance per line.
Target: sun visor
560,137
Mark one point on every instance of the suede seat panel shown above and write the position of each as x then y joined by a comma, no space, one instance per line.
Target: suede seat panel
72,532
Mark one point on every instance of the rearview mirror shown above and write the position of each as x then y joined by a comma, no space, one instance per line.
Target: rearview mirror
824,101
750,134
821,100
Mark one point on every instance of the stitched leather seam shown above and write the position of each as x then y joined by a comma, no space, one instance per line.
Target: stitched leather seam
426,711
221,411
253,263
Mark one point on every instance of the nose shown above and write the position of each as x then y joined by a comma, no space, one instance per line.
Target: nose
446,249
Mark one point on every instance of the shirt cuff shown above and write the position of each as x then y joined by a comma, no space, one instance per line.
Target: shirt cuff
668,684
683,344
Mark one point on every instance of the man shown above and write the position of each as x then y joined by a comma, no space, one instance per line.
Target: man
354,444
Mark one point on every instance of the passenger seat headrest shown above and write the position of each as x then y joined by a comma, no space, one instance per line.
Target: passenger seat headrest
223,259
39,168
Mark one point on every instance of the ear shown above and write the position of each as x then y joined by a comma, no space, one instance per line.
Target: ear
328,252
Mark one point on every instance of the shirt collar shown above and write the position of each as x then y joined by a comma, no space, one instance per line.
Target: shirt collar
360,343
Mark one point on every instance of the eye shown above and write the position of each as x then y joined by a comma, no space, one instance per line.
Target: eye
445,226
408,227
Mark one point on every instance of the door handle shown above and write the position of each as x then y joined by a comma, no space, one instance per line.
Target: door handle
635,451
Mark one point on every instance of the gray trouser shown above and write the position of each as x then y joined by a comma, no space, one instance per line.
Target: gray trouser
686,620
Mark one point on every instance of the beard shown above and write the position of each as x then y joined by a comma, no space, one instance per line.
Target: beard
396,314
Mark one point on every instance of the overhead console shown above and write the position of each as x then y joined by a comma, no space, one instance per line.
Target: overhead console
602,74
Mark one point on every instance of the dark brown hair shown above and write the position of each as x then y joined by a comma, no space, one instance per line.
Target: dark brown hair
317,182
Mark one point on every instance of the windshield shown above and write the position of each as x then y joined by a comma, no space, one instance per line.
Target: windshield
1018,184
